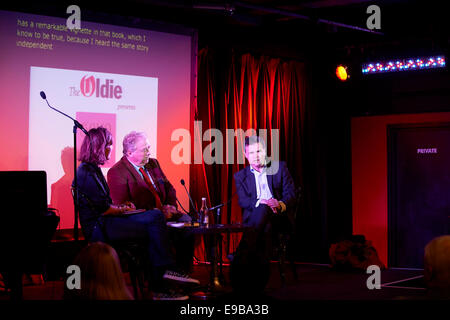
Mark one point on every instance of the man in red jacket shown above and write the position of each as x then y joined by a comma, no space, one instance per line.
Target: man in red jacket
139,179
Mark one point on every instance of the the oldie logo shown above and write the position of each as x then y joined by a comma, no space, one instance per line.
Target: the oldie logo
91,86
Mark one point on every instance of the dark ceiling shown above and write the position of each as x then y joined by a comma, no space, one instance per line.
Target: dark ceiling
405,25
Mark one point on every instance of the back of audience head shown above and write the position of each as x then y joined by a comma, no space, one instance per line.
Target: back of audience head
437,264
101,275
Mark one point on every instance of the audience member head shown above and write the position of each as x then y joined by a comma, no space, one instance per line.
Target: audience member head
136,148
437,264
101,274
97,146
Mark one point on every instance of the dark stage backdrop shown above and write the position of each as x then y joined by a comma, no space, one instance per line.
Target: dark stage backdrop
243,92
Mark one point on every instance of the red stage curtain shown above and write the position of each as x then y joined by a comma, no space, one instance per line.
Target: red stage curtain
244,91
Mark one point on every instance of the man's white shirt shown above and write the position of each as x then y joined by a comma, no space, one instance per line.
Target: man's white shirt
262,186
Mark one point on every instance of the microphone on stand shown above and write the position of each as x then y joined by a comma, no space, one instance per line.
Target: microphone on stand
229,200
75,182
77,124
181,206
223,204
162,181
190,199
218,206
217,215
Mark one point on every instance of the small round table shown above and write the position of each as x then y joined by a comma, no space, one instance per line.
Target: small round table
213,231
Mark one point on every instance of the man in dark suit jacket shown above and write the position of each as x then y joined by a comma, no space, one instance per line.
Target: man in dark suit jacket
266,194
139,179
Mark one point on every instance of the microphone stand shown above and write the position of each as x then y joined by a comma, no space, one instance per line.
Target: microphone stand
218,277
76,125
192,204
217,215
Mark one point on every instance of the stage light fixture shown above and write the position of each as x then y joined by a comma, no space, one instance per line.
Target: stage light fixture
397,65
341,73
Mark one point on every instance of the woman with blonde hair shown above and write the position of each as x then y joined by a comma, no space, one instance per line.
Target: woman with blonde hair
101,274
